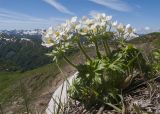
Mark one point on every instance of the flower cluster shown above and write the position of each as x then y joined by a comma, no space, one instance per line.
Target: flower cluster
60,33
98,24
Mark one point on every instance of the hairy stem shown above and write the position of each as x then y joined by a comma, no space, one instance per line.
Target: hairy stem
64,74
68,61
108,48
97,50
83,51
105,48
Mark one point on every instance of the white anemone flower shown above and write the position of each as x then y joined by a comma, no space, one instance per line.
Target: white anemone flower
50,30
129,29
89,22
108,18
82,27
47,41
103,24
121,28
128,26
78,26
102,17
98,16
97,25
84,30
114,24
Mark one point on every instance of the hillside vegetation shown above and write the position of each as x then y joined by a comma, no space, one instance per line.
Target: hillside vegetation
153,38
22,53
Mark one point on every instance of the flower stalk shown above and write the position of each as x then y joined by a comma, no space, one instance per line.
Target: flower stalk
106,47
83,51
69,62
97,48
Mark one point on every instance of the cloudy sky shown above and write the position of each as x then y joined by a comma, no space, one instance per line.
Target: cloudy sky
30,14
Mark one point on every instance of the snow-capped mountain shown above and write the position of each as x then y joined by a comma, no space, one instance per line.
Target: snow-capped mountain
23,35
23,32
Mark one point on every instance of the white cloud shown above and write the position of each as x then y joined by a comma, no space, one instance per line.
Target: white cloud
147,28
59,6
14,20
118,5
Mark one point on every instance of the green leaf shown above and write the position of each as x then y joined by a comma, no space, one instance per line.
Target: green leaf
114,107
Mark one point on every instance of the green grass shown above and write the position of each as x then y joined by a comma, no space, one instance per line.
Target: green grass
7,79
156,42
33,80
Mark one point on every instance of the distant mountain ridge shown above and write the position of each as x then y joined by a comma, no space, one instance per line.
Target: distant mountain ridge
22,52
147,38
22,32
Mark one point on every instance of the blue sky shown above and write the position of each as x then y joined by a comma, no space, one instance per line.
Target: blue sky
31,14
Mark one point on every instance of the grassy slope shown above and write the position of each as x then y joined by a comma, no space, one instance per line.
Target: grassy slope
9,80
35,81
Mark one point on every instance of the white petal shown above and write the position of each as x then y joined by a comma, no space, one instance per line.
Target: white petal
109,18
47,45
103,15
73,19
128,26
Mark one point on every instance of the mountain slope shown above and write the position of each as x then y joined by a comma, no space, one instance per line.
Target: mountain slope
153,38
35,85
21,53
